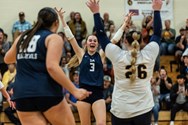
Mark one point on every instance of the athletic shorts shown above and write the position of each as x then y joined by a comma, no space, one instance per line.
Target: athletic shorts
143,119
41,104
97,93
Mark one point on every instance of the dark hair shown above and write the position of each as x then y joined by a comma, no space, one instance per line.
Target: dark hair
1,30
46,17
6,35
181,76
80,21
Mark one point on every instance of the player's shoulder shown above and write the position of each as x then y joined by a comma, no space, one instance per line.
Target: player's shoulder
54,37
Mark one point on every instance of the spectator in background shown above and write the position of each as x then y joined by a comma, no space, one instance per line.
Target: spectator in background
20,26
107,22
4,47
106,69
184,69
186,26
78,28
111,32
168,39
179,97
6,40
165,84
70,98
147,27
9,75
156,94
67,47
181,44
107,92
186,34
64,66
71,16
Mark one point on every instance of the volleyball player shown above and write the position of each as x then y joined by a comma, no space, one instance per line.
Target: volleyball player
90,77
39,79
132,99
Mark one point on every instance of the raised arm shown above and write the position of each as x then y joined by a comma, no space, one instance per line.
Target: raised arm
123,27
77,49
157,4
99,27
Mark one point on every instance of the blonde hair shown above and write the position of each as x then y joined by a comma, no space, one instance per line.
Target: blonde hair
73,62
134,53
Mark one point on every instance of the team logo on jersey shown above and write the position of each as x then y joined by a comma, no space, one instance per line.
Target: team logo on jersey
92,60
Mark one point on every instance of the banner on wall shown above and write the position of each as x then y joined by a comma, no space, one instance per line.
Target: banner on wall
141,7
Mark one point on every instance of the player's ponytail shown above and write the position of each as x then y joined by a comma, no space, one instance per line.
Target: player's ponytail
136,46
73,62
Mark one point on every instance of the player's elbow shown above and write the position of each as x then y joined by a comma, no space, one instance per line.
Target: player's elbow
51,67
8,60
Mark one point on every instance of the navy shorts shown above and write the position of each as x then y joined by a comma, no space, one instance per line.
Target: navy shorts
97,93
41,104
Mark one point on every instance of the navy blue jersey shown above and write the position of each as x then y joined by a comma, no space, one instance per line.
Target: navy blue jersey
32,78
91,70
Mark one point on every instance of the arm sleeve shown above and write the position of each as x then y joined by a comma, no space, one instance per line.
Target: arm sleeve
101,34
156,37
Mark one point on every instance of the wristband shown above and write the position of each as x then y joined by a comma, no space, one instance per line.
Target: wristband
68,33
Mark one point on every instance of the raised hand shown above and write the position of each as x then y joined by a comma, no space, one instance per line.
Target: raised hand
157,4
61,15
93,5
127,19
60,12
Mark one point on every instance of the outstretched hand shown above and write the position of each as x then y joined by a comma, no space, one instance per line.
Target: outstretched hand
60,12
157,4
127,19
93,5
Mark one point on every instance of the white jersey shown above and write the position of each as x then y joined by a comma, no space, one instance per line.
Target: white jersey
129,98
1,85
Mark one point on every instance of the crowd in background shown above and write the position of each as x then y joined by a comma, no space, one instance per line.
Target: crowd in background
167,95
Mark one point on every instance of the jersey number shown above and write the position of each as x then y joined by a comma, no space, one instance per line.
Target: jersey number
33,44
92,69
142,74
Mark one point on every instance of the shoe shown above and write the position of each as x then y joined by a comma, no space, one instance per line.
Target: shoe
156,124
171,122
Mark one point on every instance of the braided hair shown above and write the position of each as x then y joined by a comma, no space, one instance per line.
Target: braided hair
134,39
